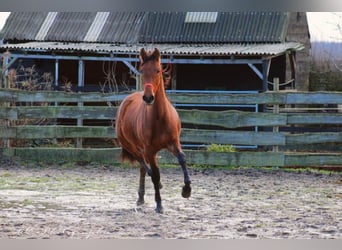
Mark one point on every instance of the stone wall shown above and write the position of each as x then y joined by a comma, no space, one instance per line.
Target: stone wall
298,31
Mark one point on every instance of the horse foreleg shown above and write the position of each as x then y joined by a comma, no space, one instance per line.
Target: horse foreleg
186,191
141,191
156,183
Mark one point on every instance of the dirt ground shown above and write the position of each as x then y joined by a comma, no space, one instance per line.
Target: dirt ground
49,202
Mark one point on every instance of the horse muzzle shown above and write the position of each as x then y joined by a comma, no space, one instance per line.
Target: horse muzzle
148,95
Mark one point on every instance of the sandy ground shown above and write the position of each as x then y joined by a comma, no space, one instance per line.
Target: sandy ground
99,202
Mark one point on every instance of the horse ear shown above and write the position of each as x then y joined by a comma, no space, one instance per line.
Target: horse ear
142,55
156,53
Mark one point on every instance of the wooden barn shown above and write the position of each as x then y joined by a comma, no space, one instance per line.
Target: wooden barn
212,51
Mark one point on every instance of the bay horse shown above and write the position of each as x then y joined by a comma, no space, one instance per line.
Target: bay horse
146,122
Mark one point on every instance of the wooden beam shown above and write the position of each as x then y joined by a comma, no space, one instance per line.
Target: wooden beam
256,70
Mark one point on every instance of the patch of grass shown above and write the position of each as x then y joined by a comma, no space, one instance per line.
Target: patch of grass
38,180
27,202
221,148
6,175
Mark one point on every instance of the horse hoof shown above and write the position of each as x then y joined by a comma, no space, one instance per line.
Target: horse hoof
159,210
140,202
186,192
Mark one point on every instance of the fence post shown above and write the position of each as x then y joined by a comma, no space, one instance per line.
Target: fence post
5,85
275,110
80,104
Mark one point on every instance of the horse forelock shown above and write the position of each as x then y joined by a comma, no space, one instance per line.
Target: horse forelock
146,56
149,58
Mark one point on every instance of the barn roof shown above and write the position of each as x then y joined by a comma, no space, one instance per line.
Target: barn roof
174,33
254,49
147,27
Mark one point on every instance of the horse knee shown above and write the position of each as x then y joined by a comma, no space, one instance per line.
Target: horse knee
181,158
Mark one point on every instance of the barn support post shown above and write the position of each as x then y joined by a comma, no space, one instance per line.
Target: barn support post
56,72
292,60
80,104
276,110
131,67
266,63
256,70
6,142
174,77
138,83
56,87
8,60
5,71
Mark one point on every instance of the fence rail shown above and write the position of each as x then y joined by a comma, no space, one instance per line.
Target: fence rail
287,97
313,126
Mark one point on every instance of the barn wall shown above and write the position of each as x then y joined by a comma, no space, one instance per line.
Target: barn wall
233,77
217,77
278,70
298,31
23,72
97,74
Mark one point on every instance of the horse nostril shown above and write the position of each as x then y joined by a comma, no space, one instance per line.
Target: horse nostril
148,99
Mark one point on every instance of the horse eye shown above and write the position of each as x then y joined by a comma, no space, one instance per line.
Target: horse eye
158,71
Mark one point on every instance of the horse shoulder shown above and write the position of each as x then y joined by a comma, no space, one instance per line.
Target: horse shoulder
174,116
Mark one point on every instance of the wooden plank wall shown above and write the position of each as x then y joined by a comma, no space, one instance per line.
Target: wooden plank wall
307,113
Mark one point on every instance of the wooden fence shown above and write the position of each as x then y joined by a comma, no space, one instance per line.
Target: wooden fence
308,132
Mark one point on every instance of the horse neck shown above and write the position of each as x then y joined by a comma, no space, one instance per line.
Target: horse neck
161,101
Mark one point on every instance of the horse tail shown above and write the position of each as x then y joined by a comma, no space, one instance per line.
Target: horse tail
126,156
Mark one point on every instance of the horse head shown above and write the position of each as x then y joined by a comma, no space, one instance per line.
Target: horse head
151,74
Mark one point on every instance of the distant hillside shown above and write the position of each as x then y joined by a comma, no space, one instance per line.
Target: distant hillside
326,55
326,49
326,68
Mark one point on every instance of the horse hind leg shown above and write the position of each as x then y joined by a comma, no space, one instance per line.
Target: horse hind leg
143,165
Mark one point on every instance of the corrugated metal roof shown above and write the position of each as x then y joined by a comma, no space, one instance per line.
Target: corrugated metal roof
96,27
44,28
23,26
70,26
255,49
150,27
122,27
230,27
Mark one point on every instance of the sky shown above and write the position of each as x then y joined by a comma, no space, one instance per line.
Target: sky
323,26
3,16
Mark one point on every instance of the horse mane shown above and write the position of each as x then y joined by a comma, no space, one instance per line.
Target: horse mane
167,75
